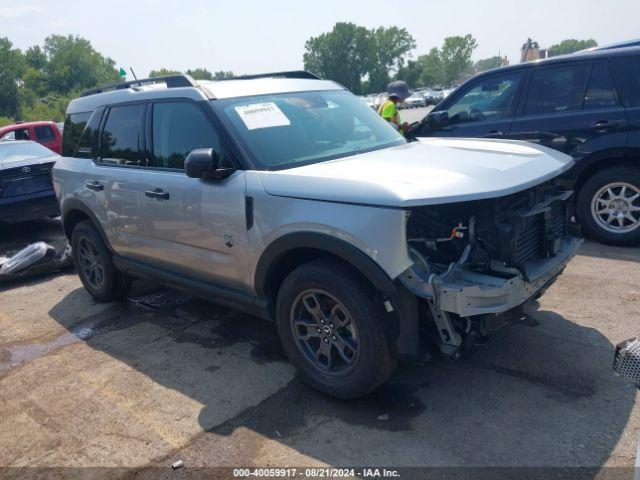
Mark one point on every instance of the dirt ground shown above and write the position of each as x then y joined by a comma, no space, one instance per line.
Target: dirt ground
128,388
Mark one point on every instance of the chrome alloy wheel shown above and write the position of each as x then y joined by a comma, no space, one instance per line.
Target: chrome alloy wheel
616,207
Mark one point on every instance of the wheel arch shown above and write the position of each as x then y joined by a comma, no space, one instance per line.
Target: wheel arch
72,212
286,253
595,165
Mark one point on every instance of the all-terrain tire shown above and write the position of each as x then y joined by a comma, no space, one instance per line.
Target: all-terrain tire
372,364
90,256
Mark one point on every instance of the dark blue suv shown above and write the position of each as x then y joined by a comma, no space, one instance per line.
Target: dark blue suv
586,105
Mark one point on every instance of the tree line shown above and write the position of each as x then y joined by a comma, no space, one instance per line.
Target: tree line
37,84
366,60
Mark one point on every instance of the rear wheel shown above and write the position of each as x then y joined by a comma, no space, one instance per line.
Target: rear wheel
608,206
94,265
331,327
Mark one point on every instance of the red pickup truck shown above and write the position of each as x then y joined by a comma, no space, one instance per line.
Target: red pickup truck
45,133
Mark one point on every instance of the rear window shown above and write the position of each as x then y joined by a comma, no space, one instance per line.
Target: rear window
44,133
627,70
557,89
601,92
120,143
73,126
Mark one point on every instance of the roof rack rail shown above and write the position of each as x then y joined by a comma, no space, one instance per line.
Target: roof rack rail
172,81
301,74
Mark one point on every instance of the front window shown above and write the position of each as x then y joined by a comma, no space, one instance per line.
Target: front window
491,99
286,130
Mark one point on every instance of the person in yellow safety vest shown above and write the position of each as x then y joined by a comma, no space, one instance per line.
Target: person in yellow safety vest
397,92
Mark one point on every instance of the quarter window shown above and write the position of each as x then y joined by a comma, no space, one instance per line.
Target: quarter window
491,99
120,142
73,127
627,71
557,89
178,128
600,93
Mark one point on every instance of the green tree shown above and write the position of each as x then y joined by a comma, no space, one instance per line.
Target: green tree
163,72
11,68
571,45
343,55
389,47
73,64
432,68
488,64
456,56
200,74
35,57
410,73
222,75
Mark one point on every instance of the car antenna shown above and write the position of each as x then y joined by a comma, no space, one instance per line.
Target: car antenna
133,73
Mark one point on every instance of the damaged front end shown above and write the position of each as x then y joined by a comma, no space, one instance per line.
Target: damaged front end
477,263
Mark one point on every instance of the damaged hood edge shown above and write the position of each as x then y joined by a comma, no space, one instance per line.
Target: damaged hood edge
428,172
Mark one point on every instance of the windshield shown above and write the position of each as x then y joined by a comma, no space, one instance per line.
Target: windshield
10,151
287,130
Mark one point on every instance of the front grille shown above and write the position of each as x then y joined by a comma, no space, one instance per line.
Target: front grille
532,241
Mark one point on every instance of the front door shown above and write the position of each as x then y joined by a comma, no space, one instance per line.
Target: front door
193,226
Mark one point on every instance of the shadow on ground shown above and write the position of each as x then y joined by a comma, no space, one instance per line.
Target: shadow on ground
594,249
534,396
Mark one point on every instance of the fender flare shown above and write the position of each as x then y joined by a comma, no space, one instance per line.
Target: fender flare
403,333
73,204
320,241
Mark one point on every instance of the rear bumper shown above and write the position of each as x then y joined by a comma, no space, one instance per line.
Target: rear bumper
468,293
29,207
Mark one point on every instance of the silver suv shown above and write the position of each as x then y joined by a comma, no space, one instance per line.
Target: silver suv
285,196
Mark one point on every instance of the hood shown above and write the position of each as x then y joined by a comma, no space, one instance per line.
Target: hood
428,172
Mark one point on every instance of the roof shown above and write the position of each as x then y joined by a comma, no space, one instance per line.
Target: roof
577,56
199,90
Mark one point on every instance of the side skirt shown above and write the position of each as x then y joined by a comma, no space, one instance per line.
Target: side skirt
209,291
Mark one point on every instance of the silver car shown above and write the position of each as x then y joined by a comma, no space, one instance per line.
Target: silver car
287,197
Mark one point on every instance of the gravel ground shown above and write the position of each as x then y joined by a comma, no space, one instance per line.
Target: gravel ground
125,389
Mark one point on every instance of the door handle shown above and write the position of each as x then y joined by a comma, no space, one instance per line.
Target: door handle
603,125
157,193
95,185
495,134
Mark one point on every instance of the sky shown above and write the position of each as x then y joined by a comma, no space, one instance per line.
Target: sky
261,36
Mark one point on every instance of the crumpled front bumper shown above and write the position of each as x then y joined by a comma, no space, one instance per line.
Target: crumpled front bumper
468,293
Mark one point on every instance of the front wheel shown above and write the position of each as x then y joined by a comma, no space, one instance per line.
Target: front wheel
331,327
608,206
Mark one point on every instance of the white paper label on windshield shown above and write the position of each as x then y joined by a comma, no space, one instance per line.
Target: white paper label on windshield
262,115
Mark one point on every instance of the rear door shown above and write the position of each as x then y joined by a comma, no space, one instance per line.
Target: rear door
572,107
193,226
484,108
112,183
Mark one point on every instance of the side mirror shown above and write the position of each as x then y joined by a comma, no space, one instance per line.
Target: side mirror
436,120
205,163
